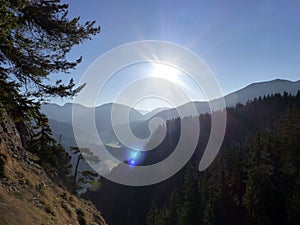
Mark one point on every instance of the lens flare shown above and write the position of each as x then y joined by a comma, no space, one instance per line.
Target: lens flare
132,162
135,154
134,157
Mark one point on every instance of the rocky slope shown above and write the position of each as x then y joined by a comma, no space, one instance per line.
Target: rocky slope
27,195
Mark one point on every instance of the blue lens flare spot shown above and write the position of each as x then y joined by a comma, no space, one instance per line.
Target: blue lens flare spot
134,157
135,154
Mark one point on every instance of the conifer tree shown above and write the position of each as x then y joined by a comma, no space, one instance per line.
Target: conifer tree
189,210
260,172
86,176
174,206
152,214
35,39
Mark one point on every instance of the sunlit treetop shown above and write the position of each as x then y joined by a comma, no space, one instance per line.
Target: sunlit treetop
35,39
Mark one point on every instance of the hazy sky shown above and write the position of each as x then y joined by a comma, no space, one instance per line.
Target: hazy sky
241,41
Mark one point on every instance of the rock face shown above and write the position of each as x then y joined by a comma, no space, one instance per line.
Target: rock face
27,195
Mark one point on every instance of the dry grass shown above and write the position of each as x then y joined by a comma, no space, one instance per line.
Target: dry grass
28,197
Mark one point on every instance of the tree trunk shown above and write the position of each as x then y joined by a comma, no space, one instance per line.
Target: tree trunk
76,168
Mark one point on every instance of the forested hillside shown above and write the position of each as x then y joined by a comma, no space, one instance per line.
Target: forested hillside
253,180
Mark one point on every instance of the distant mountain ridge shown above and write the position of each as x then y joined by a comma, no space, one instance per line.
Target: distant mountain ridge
64,113
254,90
260,89
60,117
243,95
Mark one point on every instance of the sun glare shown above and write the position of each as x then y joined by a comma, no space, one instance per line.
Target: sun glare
166,71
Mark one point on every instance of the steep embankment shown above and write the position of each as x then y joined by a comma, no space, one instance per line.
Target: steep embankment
27,195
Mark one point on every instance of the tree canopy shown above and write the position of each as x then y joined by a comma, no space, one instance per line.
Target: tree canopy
35,38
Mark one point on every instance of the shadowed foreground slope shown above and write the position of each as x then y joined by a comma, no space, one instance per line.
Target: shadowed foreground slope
27,195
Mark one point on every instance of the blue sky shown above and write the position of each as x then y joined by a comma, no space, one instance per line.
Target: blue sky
241,41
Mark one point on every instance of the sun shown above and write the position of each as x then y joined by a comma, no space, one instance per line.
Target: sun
166,71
